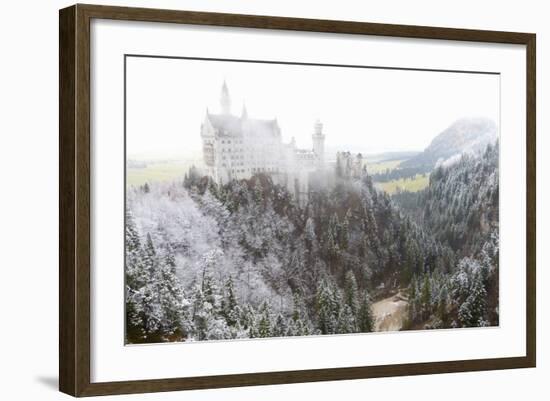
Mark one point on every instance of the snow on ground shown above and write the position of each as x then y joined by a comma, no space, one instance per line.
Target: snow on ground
389,313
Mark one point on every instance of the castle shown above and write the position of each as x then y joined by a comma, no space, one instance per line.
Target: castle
349,165
238,147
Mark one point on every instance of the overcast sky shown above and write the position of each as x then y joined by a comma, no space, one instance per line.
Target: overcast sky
367,110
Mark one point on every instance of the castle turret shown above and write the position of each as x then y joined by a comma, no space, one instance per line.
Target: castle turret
225,100
319,142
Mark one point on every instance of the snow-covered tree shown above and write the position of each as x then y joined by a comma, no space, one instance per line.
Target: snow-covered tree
346,321
473,309
203,260
351,293
264,324
365,318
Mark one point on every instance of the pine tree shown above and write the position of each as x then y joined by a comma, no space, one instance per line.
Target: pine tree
332,242
332,246
249,321
229,307
346,321
351,295
135,280
472,312
371,226
148,304
208,324
442,312
425,297
344,231
133,243
409,262
213,188
326,318
365,318
134,266
415,306
264,325
193,177
173,303
150,256
158,307
279,327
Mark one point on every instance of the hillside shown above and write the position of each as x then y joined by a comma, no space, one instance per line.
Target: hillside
247,259
463,136
460,208
460,205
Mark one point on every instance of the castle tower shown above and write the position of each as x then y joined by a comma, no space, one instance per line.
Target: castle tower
319,142
225,100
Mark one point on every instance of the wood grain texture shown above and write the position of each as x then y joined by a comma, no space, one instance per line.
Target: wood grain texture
74,199
74,202
531,202
301,24
67,131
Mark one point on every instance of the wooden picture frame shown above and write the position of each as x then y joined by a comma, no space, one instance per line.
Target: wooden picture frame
75,199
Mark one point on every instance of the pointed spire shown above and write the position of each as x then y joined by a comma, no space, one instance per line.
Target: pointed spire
225,99
244,114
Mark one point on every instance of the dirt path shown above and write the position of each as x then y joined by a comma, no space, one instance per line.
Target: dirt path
389,313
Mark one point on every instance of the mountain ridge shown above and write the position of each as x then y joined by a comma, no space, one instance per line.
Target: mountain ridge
466,135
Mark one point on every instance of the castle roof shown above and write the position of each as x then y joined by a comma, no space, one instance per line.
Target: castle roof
230,125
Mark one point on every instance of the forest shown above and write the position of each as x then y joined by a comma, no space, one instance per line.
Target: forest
246,260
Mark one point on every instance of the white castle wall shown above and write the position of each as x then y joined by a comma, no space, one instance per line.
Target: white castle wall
237,148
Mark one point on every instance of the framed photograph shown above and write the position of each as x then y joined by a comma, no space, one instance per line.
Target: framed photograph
250,200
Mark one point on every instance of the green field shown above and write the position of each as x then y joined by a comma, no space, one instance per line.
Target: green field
382,166
415,184
167,170
157,171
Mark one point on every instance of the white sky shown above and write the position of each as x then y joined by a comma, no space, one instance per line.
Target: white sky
367,110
